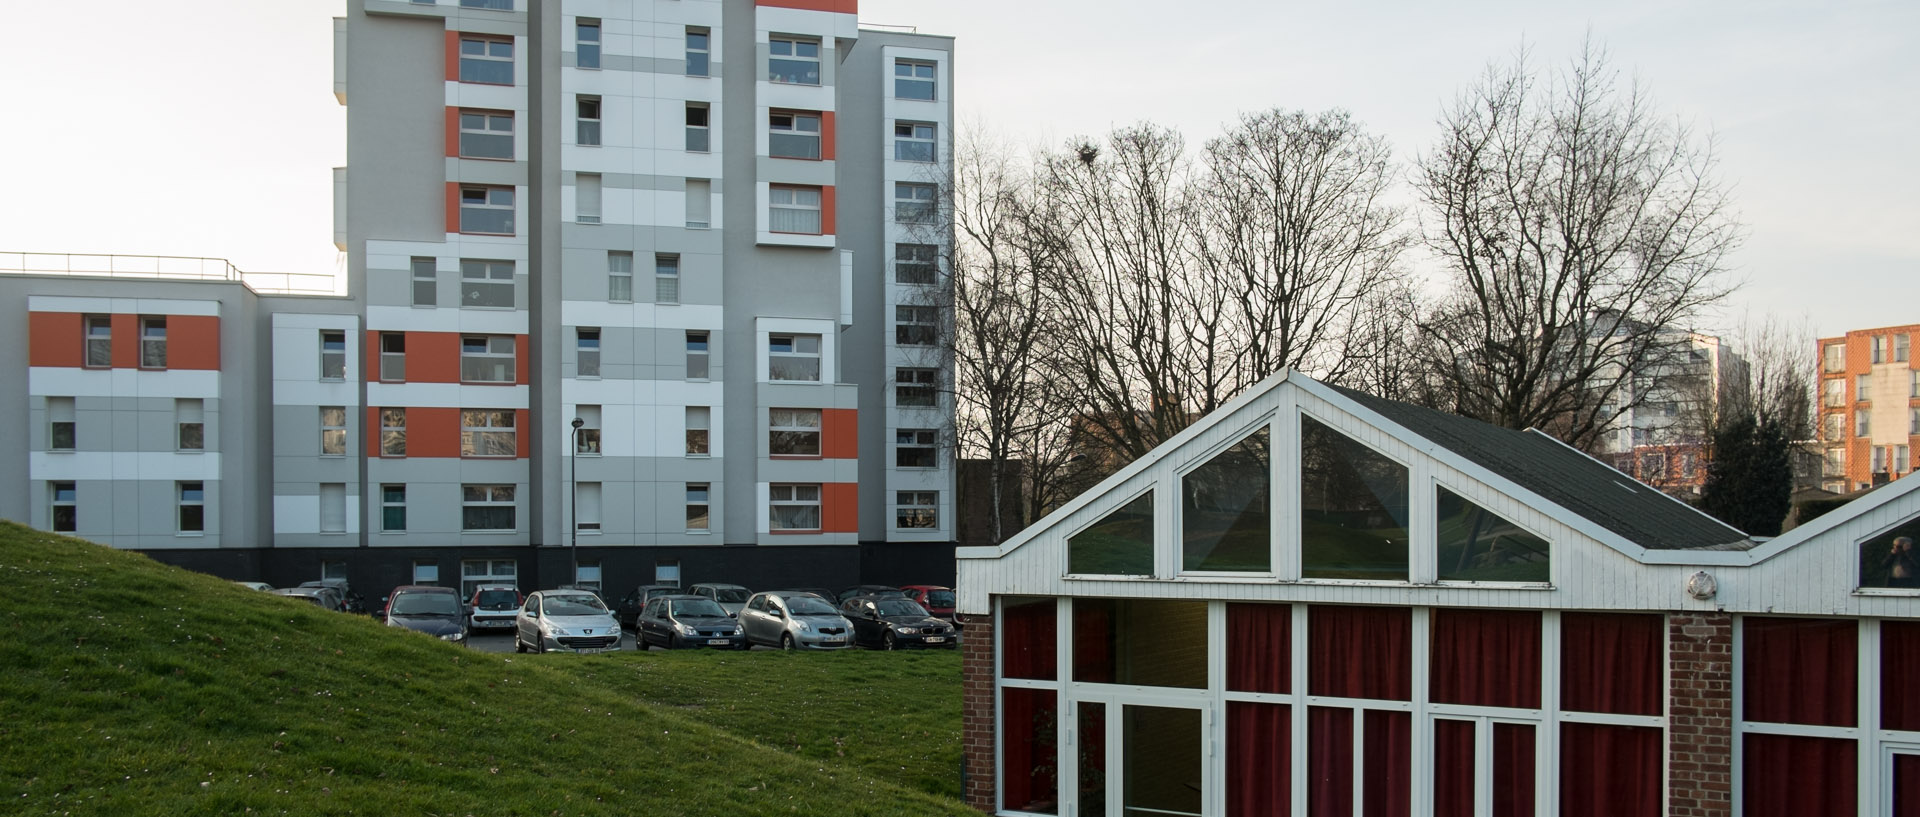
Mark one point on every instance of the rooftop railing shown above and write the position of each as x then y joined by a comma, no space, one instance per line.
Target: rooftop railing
166,267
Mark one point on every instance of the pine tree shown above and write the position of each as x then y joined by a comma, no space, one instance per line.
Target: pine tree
1750,482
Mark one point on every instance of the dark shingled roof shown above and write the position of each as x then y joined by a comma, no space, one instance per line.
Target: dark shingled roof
1566,477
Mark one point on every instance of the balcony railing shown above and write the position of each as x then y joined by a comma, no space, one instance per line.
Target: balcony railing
166,267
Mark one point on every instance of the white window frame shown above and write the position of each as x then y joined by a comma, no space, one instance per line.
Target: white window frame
911,268
480,130
426,571
333,431
58,498
587,114
586,50
393,357
61,412
699,441
666,278
489,496
97,334
801,205
477,572
699,203
914,379
333,354
699,495
586,441
488,201
333,507
587,198
153,342
620,276
915,203
483,52
393,495
481,352
700,133
699,354
486,284
790,429
916,440
393,436
587,507
190,424
915,142
915,325
791,346
484,431
191,494
699,56
915,506
586,352
801,130
796,497
910,73
426,281
792,49
1862,423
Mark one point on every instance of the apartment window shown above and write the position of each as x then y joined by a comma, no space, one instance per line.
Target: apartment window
916,509
99,341
1833,426
586,198
586,43
1833,357
496,5
426,571
1862,383
486,284
333,570
1913,383
587,120
912,142
393,508
666,278
619,276
793,432
699,203
1901,461
486,60
916,325
1862,423
794,507
65,511
1878,344
393,357
793,357
393,432
586,514
486,359
914,387
189,419
1879,459
586,440
333,354
913,79
153,343
699,50
697,131
699,424
62,429
1902,347
793,135
913,203
488,433
333,431
486,507
476,572
486,134
697,355
1835,463
587,574
1833,392
333,507
793,59
193,507
699,507
915,263
486,210
794,209
1913,421
425,282
587,352
914,448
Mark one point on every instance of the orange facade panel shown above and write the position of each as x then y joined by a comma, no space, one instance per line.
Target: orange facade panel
453,56
523,433
832,6
840,434
433,357
451,134
826,210
433,432
193,342
827,150
126,340
840,507
453,207
54,339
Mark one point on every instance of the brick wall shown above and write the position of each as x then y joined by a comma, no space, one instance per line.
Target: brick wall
976,718
1700,715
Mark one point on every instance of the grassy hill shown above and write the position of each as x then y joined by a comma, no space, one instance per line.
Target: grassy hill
132,688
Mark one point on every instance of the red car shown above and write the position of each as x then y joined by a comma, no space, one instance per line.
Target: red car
938,600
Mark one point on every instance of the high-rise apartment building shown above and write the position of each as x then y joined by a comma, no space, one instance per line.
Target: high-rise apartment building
655,282
1869,407
1662,438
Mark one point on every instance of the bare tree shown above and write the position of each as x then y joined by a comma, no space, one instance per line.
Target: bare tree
1580,231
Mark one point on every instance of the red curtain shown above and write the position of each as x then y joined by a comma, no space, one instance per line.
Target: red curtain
1906,786
1389,764
1028,628
1027,750
1092,784
1796,776
1900,676
1512,770
1329,762
1800,670
1259,760
1360,652
1453,768
1259,639
1486,657
1612,662
1093,640
1610,771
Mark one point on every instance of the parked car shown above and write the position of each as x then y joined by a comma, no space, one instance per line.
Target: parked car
629,609
349,600
422,608
573,620
825,595
792,620
493,607
256,586
869,590
730,597
681,620
888,623
938,600
324,597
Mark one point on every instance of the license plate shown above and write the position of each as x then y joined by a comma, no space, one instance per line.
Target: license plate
831,640
717,642
589,650
936,639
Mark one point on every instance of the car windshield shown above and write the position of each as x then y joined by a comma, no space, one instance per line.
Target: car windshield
697,607
730,595
496,600
940,598
809,606
900,607
580,605
425,604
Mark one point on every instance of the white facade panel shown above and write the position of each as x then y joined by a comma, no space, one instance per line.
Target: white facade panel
122,306
447,395
123,465
70,382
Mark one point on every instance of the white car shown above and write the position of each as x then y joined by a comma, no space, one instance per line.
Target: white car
794,620
567,620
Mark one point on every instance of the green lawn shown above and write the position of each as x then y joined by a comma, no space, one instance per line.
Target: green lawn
131,688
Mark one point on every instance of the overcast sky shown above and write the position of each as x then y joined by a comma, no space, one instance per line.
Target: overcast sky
209,128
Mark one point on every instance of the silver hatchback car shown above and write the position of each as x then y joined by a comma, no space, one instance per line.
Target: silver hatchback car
794,620
571,620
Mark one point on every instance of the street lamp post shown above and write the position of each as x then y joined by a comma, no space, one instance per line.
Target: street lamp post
573,515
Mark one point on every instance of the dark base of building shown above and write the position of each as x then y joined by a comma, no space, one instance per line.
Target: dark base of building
374,571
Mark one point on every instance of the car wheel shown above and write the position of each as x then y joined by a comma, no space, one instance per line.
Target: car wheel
518,645
786,641
673,642
892,644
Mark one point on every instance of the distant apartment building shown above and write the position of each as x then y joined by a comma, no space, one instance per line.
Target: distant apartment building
1869,407
657,283
1663,438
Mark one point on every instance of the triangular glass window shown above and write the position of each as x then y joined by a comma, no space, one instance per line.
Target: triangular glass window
1891,559
1477,546
1225,506
1120,544
1353,508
